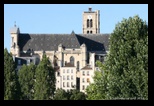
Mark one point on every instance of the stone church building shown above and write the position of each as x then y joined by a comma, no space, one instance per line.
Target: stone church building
73,56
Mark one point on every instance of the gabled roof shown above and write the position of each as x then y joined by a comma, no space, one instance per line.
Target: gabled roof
86,68
50,42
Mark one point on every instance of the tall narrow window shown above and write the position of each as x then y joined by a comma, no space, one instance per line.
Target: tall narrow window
72,77
63,84
72,84
71,70
87,23
82,79
64,71
72,60
63,77
87,73
91,23
83,73
19,62
68,77
67,70
58,73
88,80
65,63
83,87
78,65
68,84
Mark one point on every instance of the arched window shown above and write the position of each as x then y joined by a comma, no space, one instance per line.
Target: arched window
87,32
91,32
78,65
72,60
87,23
91,23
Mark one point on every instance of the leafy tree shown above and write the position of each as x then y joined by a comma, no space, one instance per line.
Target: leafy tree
61,94
11,85
69,95
94,90
125,70
76,95
27,80
45,80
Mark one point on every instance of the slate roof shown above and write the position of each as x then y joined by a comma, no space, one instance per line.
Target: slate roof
48,42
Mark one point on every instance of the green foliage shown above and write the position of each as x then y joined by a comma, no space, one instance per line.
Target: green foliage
125,70
76,95
45,80
27,79
60,94
11,85
69,95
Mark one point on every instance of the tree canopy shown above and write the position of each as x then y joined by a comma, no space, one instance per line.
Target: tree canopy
27,80
125,70
45,80
11,85
72,94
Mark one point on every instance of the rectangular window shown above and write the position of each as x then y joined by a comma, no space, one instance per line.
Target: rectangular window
63,84
72,71
67,70
58,73
63,77
82,79
83,73
78,65
68,77
72,84
87,73
28,61
88,80
19,62
72,77
68,84
83,87
64,71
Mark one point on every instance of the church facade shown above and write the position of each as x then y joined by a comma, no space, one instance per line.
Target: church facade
73,56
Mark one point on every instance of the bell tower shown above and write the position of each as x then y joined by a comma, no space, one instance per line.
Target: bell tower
14,31
91,22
